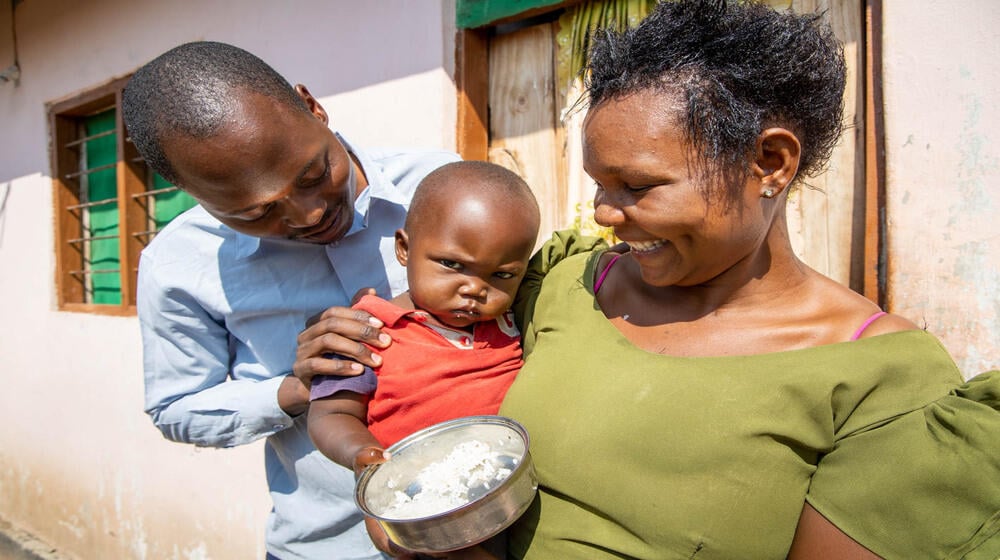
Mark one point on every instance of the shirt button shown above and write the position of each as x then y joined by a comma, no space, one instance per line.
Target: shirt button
278,427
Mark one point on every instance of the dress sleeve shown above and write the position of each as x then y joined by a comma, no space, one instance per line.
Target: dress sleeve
562,244
924,484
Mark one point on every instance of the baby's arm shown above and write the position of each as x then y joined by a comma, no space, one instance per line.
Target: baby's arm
337,428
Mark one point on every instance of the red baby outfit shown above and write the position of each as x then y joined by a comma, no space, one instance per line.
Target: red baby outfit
432,374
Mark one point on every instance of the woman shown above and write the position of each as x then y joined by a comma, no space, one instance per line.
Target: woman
706,393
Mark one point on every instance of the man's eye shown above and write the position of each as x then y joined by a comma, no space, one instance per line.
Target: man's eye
260,215
310,182
450,264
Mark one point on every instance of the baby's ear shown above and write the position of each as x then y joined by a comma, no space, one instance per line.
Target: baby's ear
402,246
776,160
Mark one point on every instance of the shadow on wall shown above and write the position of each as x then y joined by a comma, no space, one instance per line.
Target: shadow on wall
4,195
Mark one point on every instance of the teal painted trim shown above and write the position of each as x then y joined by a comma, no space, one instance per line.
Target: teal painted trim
477,13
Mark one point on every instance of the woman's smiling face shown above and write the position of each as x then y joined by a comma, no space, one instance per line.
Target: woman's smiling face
652,190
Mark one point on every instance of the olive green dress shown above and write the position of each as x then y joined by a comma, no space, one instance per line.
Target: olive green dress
643,455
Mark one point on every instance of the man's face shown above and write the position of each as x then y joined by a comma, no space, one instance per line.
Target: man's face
273,171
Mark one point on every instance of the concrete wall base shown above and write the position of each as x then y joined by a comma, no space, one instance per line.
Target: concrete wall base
17,544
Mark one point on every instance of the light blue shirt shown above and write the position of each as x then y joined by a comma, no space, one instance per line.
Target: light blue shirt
220,312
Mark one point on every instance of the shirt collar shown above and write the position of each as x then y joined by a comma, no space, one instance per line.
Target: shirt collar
393,315
379,187
388,312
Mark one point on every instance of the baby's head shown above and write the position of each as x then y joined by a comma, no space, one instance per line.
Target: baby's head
467,240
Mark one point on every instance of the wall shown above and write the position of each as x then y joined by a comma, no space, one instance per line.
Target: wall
941,68
81,466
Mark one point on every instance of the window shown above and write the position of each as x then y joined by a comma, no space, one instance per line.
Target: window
108,203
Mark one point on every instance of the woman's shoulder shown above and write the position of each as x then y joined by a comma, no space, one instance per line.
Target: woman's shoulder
850,315
944,457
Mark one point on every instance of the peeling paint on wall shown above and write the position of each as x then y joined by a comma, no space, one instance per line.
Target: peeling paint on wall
943,174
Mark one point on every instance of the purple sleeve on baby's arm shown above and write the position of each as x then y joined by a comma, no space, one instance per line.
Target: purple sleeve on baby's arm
326,385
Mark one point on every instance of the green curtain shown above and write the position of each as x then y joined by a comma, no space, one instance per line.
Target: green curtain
168,206
102,255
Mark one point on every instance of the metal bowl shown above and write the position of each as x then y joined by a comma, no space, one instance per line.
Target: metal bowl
418,465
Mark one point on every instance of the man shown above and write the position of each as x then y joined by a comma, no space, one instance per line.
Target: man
292,220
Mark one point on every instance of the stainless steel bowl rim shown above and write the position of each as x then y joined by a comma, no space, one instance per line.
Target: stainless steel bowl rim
473,522
423,434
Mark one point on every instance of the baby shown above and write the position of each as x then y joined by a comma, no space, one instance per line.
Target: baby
466,243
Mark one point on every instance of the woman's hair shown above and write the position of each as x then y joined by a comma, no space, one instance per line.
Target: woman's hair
736,68
189,90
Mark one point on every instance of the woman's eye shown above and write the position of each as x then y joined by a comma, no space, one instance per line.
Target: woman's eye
638,188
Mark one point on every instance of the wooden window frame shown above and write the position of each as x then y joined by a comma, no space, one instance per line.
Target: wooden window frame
135,227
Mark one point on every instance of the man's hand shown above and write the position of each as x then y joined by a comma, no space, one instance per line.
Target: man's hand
293,396
333,343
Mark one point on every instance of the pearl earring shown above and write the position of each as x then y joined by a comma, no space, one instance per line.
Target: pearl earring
768,193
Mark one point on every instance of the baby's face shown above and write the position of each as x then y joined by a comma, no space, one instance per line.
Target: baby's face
466,267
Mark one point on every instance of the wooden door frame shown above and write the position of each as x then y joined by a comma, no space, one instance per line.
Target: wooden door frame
875,256
472,81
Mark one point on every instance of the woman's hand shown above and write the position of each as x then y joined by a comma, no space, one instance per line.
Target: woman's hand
333,343
472,553
382,542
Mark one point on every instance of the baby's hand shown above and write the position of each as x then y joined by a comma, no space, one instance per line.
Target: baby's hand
369,456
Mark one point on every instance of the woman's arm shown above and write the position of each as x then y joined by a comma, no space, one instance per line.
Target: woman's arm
816,537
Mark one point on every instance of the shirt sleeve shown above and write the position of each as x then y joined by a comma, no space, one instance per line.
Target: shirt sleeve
562,244
327,385
924,484
186,363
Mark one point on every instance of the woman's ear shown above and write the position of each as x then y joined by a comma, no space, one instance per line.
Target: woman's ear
314,107
402,246
776,161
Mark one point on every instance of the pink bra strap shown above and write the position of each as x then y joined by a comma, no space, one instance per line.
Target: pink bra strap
868,321
600,279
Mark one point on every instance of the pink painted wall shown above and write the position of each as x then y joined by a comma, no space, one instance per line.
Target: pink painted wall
81,466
